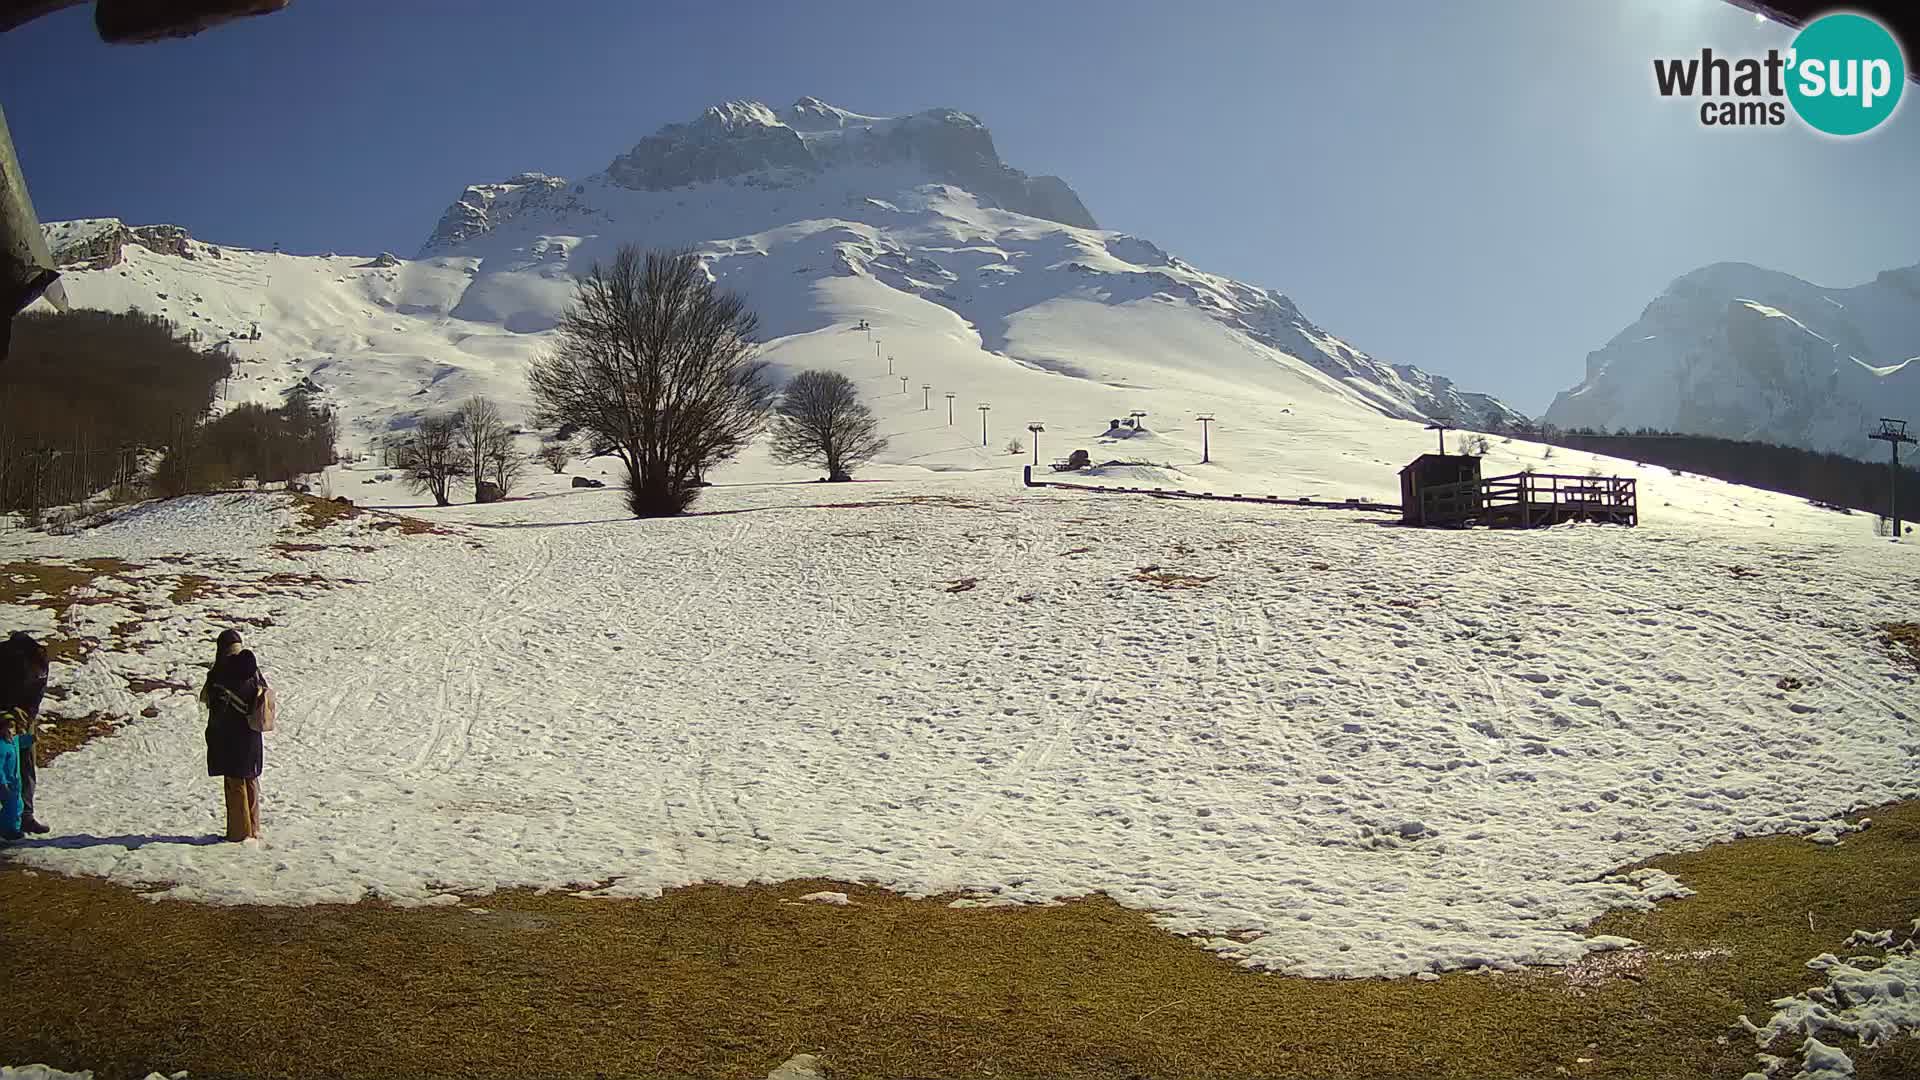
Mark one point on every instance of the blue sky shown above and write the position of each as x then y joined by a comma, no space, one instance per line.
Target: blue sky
1489,189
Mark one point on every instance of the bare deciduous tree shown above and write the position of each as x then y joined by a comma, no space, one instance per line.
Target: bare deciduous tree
476,426
822,421
657,366
433,457
554,455
504,463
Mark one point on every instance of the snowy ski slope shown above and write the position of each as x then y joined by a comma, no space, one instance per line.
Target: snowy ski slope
1322,745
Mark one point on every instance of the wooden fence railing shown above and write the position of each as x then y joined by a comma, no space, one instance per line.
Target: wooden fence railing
1528,500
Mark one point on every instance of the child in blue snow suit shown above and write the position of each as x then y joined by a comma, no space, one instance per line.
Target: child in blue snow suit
23,685
9,777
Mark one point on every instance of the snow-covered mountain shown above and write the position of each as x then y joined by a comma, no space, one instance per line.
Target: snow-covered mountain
1746,353
978,279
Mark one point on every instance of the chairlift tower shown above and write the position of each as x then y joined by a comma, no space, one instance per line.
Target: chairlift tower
1442,428
1135,416
926,399
984,407
903,384
1036,428
1893,433
1205,419
950,398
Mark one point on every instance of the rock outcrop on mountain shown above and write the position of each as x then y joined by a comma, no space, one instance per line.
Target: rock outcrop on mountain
484,207
98,243
748,139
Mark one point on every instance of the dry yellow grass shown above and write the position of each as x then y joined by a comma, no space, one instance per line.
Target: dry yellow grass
1170,579
1903,638
725,982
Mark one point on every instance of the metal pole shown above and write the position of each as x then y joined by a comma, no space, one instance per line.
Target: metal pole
889,363
926,401
1893,433
1205,448
950,398
983,424
903,384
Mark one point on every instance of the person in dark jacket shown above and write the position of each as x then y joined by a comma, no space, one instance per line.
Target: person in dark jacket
235,751
23,686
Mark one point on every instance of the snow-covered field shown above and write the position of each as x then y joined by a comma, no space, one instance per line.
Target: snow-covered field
1323,744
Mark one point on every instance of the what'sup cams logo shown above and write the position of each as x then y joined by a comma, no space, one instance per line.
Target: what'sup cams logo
1842,76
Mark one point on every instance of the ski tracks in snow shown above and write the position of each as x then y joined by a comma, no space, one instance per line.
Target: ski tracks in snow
1376,751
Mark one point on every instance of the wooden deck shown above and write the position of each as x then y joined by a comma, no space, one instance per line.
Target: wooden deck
1532,500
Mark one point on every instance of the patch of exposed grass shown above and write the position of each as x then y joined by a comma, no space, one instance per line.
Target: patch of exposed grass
407,526
1903,638
1171,579
141,685
51,584
287,548
725,982
314,513
188,588
59,736
54,587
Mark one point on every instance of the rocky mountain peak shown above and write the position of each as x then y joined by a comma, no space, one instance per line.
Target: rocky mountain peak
744,138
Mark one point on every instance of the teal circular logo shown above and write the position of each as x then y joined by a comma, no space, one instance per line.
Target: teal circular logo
1845,74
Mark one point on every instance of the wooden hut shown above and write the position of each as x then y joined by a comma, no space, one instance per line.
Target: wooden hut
1440,489
1447,489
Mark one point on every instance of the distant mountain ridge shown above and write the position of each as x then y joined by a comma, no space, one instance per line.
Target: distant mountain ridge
1741,352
